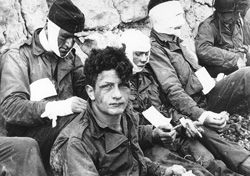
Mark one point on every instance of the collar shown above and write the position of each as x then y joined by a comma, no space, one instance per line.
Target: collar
98,130
170,41
44,41
142,80
37,48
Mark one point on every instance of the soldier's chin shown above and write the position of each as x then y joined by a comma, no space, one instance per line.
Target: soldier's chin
117,111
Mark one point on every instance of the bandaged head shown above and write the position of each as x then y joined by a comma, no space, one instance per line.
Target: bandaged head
135,41
64,15
167,17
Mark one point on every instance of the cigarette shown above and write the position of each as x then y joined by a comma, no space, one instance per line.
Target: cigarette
177,126
199,133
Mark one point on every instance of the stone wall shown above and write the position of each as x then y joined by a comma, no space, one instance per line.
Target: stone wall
19,18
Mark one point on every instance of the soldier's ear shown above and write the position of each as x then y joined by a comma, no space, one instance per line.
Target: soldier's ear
90,91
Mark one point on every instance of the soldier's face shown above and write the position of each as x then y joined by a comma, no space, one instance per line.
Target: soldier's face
65,42
230,17
110,95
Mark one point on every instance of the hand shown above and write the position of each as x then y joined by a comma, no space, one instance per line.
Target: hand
219,77
165,134
193,128
78,104
215,120
175,170
85,42
245,48
241,62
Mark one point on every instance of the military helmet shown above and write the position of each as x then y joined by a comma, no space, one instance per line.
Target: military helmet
231,5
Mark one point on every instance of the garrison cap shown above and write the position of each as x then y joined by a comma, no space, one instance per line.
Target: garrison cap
67,16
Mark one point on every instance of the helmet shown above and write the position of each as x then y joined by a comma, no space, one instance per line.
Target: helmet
231,5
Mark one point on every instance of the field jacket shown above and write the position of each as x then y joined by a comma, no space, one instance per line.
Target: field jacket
219,49
174,68
21,67
88,147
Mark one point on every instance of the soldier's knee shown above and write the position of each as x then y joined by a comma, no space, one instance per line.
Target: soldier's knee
23,144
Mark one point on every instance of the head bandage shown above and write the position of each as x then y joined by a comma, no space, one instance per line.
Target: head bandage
135,40
166,16
53,32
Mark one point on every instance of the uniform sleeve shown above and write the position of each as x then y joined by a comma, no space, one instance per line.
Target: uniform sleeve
171,85
145,137
16,107
155,168
212,55
78,161
79,79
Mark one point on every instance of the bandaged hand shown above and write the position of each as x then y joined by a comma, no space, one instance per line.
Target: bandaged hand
175,170
241,62
63,108
165,134
78,104
220,76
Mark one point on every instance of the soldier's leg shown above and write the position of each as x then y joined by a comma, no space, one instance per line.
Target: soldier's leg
20,156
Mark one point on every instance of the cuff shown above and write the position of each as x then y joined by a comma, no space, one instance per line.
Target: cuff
203,116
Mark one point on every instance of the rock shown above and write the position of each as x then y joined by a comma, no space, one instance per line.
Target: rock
34,13
99,14
131,10
12,25
20,18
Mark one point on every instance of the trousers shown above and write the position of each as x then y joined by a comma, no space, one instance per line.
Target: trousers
20,156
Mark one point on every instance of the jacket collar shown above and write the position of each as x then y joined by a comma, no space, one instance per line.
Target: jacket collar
171,41
142,80
65,65
98,130
37,48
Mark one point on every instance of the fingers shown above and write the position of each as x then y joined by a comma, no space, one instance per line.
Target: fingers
218,122
218,126
167,137
178,169
78,105
82,34
167,127
78,41
167,134
192,130
197,124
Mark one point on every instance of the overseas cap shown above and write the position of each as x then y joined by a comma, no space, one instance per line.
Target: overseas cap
67,16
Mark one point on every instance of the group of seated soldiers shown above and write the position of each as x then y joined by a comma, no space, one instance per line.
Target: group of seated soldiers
89,118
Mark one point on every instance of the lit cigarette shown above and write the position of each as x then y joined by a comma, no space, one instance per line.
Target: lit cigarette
177,126
199,133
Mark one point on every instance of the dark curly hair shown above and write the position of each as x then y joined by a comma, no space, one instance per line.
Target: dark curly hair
107,59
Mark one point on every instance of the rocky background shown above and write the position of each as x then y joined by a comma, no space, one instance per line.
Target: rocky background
19,18
108,18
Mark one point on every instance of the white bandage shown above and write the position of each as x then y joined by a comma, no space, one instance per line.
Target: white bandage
135,40
203,117
53,32
58,108
166,16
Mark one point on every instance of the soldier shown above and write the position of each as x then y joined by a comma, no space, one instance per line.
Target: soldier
219,41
